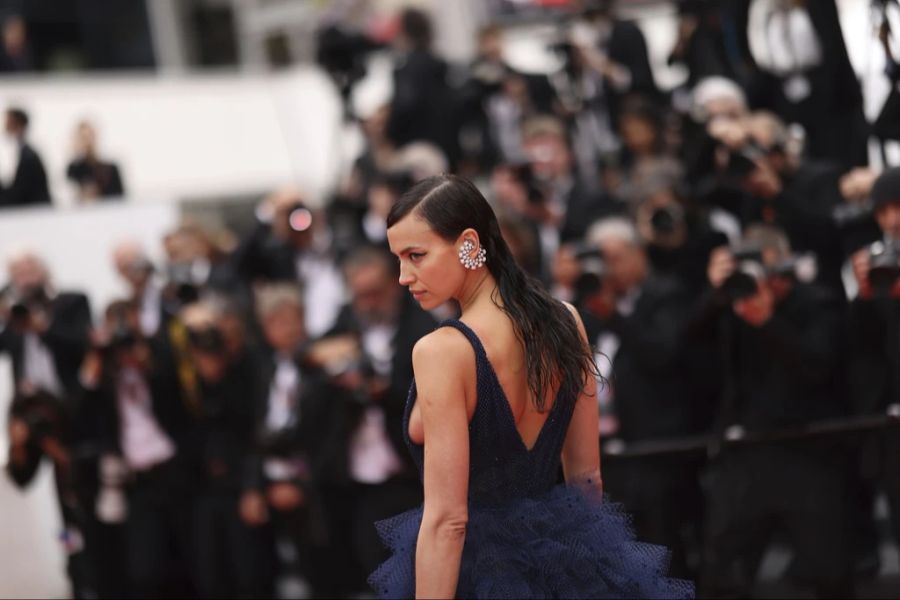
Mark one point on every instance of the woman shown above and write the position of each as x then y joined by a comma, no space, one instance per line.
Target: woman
488,434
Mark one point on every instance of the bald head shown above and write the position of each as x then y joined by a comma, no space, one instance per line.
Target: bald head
132,263
26,270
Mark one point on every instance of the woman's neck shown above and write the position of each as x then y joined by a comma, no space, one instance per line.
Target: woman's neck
477,290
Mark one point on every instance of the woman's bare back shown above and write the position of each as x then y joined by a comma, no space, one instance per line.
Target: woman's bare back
506,353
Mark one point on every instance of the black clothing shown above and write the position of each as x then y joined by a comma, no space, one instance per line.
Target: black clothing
66,338
786,373
29,185
423,105
651,396
831,113
412,324
104,175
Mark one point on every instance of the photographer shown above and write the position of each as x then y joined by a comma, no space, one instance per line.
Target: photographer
572,202
605,60
875,345
496,99
423,107
635,318
775,351
759,176
679,235
46,334
292,243
370,475
135,267
294,427
522,197
231,557
144,429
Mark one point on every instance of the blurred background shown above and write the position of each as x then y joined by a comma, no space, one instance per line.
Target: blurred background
204,353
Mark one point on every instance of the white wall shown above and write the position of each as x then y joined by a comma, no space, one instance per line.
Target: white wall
189,136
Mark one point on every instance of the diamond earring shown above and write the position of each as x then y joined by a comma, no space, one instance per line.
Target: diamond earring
472,262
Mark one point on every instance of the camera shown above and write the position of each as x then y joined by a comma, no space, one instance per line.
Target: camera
591,271
884,266
299,218
343,55
122,336
665,220
42,412
209,340
524,175
742,161
851,215
182,282
23,305
749,269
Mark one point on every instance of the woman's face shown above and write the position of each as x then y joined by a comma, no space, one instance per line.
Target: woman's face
429,265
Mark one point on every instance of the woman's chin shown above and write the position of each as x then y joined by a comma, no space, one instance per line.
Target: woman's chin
426,301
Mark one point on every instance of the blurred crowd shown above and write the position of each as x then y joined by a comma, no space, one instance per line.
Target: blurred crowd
233,426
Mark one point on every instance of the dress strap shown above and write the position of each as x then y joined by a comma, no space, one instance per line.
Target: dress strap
480,353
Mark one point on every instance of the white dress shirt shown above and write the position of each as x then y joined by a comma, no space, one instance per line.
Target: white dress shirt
373,459
323,291
144,443
39,370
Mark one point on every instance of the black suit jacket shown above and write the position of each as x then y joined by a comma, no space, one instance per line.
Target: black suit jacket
628,47
788,372
166,399
318,407
423,106
874,376
29,186
66,338
225,425
832,113
413,323
652,398
261,256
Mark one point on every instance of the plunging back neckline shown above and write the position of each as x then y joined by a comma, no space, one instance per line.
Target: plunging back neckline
479,349
481,362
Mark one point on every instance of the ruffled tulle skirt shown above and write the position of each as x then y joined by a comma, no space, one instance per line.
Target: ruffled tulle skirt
563,544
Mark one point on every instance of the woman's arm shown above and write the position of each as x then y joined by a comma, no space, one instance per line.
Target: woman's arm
581,450
440,362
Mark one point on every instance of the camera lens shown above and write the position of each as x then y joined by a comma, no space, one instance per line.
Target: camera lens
663,220
300,219
739,285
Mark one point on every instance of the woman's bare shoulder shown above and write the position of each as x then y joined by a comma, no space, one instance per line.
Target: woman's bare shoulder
444,347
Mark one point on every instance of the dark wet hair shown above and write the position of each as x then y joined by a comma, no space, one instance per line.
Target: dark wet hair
554,349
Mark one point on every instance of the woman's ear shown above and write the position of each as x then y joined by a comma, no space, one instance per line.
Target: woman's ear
471,235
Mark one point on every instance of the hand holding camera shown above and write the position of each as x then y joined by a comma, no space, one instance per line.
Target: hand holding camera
876,269
739,277
856,184
27,311
757,309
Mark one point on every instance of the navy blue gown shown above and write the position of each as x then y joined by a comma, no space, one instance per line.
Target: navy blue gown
527,536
